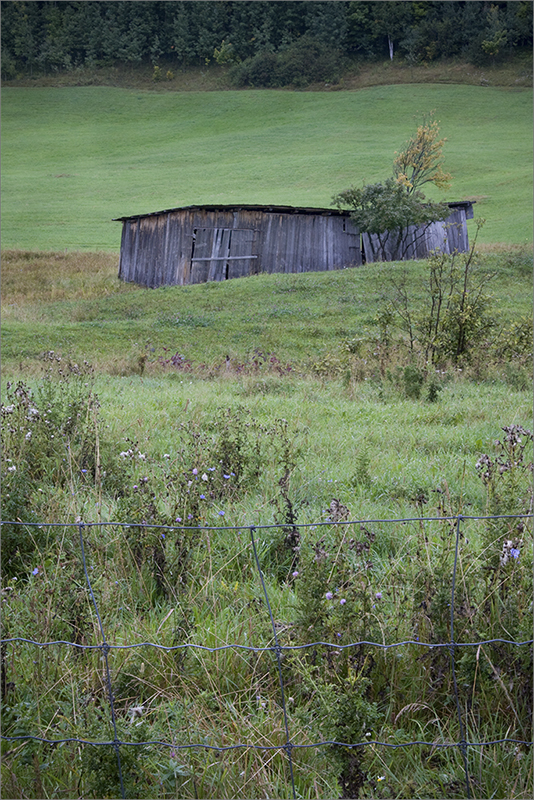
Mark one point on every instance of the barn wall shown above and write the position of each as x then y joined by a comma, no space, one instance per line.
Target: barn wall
197,245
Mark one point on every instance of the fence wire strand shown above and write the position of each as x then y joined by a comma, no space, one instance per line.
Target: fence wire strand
462,745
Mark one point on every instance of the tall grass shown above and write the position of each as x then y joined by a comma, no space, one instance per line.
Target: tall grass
294,429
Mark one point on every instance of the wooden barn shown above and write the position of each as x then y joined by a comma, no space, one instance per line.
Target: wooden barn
195,244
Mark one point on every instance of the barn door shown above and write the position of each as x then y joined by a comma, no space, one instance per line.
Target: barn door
218,254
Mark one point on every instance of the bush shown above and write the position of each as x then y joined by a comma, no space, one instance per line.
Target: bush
305,61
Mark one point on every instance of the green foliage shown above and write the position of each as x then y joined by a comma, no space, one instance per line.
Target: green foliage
50,438
456,317
388,209
303,62
225,54
380,207
51,38
421,159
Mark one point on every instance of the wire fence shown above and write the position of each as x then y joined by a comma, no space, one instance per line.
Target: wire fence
463,744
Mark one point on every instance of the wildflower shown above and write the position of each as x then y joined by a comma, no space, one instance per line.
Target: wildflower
84,471
226,476
35,571
381,778
136,486
514,552
28,436
342,601
166,455
295,574
195,471
189,516
202,496
162,535
338,635
221,513
204,476
378,595
329,595
142,457
211,469
178,519
12,468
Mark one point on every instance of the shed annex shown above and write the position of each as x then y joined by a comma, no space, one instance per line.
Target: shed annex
195,244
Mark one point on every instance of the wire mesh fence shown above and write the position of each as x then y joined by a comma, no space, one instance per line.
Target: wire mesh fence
267,638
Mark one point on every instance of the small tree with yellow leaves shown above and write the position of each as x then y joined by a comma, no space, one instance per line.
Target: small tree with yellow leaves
420,161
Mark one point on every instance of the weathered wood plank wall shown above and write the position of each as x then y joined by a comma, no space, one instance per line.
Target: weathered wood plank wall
447,236
194,245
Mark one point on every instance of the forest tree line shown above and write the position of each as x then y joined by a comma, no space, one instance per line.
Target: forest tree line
265,43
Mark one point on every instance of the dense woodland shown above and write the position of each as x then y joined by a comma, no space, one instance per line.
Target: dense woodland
263,43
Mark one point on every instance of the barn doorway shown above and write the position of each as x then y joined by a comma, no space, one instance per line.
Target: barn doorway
218,254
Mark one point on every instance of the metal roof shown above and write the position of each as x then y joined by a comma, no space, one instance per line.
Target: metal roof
276,209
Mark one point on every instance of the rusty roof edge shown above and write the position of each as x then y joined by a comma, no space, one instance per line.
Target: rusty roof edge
273,208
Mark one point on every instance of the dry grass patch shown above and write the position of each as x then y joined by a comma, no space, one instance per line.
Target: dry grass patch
30,278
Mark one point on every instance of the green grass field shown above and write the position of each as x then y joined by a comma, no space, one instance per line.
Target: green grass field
75,158
322,401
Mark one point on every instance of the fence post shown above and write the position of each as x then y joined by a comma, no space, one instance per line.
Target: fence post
462,744
105,650
277,650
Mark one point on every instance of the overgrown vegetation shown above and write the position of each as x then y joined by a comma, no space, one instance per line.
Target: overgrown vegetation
381,432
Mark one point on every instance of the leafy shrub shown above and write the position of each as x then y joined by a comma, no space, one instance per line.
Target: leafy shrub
304,61
49,440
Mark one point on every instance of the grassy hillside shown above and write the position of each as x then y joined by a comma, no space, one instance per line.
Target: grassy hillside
74,158
355,422
75,304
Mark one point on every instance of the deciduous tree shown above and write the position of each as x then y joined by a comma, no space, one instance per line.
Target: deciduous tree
421,159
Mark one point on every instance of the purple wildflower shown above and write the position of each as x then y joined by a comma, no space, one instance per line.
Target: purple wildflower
295,574
514,552
329,595
342,601
35,571
378,595
221,513
202,496
195,471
